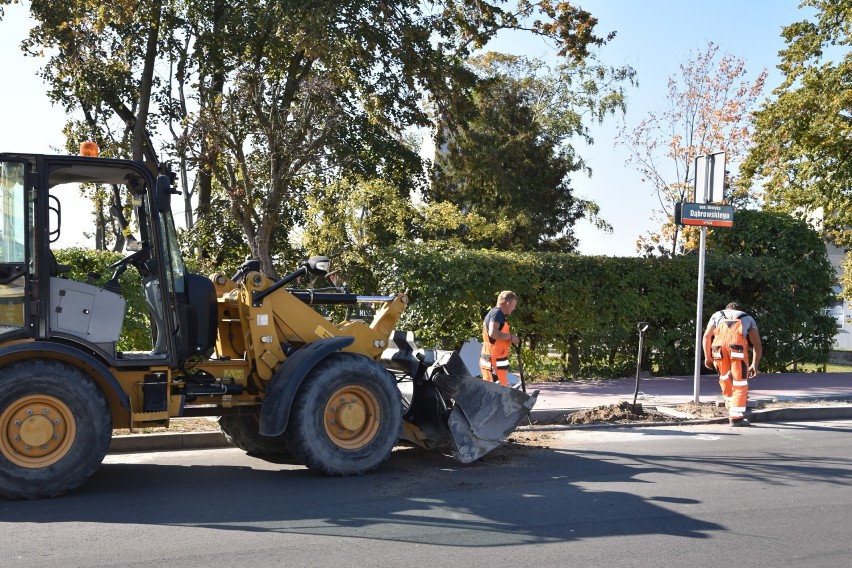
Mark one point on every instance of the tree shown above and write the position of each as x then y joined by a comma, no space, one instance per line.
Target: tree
264,69
102,64
511,159
324,88
708,107
801,142
360,222
355,222
801,286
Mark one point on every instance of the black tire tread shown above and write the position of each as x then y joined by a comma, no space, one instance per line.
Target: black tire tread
242,430
94,427
306,437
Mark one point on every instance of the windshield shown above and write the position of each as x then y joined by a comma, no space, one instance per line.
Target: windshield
177,268
12,211
13,225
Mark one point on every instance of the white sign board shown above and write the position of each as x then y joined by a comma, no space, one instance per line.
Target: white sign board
710,190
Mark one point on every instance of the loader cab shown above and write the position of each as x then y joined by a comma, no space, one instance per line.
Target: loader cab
145,308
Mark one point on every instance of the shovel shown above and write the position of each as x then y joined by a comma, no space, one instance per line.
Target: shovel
642,327
521,367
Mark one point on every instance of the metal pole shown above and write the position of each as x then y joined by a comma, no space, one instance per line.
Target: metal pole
699,352
708,168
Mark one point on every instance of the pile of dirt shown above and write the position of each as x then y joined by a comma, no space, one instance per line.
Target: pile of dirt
703,410
623,412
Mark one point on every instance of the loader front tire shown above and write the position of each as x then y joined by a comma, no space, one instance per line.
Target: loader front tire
55,428
242,430
347,416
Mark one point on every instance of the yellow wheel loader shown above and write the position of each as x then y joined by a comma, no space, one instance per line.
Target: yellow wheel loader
288,384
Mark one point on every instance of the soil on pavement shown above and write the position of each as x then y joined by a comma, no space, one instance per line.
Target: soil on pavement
622,413
625,412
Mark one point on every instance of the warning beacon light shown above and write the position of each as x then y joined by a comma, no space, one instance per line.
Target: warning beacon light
89,149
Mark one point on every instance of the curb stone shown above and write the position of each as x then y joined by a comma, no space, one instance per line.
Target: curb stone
211,440
804,413
166,442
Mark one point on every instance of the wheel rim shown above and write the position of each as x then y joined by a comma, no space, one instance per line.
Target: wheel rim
36,431
352,416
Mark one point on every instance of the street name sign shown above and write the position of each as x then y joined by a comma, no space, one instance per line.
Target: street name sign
704,215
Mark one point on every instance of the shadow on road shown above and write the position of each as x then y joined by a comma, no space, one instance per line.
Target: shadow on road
515,495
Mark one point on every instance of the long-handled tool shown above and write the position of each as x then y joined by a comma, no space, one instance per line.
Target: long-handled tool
642,327
521,366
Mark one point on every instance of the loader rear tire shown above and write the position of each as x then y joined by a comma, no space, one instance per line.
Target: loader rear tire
242,430
347,416
55,428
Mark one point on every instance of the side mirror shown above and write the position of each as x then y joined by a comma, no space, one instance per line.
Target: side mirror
132,245
163,194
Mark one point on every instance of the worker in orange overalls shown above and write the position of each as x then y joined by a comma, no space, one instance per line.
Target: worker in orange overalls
496,339
726,343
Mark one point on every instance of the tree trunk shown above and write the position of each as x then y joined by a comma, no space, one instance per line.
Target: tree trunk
674,239
573,357
141,144
117,212
263,238
260,251
211,97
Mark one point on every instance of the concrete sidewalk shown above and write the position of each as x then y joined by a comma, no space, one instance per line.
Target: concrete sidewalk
566,397
560,399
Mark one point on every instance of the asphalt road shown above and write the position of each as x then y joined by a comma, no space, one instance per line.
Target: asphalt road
773,495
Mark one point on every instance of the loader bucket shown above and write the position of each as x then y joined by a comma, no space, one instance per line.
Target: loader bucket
453,411
483,415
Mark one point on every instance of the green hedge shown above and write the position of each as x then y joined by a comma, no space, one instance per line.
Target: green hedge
585,309
580,312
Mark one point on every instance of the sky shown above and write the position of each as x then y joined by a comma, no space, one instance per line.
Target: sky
655,37
652,36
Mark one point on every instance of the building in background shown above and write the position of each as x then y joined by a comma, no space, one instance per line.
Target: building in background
841,310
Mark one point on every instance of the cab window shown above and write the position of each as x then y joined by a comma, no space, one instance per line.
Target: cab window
13,225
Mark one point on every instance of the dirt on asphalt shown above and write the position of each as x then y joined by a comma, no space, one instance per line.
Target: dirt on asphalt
176,426
625,413
622,413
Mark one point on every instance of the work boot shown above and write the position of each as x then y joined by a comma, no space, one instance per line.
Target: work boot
739,422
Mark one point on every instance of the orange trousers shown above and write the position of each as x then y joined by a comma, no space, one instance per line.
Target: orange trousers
733,378
502,375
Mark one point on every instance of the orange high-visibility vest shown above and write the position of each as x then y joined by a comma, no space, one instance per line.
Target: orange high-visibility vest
495,352
729,341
